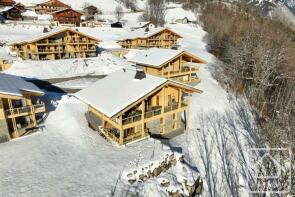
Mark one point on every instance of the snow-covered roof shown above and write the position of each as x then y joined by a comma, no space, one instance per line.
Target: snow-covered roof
34,38
155,56
30,13
118,90
65,9
141,24
13,85
141,33
6,8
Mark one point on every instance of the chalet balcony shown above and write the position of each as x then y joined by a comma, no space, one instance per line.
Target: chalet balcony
135,116
132,137
56,50
114,135
39,108
24,111
187,69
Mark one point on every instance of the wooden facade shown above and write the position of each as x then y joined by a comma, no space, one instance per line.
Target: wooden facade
18,113
61,44
164,38
67,17
184,67
160,110
7,2
50,6
5,64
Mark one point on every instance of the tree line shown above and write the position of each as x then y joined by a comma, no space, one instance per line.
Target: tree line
258,56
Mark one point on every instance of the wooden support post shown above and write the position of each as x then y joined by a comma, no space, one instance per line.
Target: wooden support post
180,63
179,98
121,139
142,118
169,69
15,130
32,115
174,121
162,120
187,115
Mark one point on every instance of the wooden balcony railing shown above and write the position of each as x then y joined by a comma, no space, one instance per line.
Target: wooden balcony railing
110,134
187,69
152,113
18,111
131,119
172,107
132,137
39,107
26,110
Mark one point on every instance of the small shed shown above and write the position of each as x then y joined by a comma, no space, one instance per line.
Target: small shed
117,25
184,20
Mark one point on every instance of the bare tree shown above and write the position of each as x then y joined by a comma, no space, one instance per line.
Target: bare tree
155,12
119,13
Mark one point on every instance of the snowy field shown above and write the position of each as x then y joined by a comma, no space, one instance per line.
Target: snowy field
66,158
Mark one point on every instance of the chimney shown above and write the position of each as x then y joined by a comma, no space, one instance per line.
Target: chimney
140,74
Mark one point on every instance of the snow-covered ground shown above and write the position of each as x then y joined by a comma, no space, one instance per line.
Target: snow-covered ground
68,158
101,65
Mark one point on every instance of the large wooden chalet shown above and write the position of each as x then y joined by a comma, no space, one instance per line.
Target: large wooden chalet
149,38
20,107
60,43
67,16
172,64
50,6
128,105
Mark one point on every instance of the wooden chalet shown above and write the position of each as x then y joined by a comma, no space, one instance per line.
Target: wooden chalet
90,11
171,64
153,105
12,13
149,38
20,108
67,16
184,20
147,24
7,2
60,43
50,6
